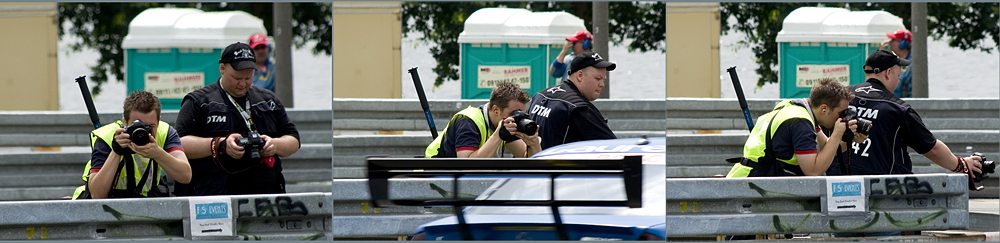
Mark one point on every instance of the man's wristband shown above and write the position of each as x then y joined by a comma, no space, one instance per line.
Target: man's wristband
215,147
220,149
962,166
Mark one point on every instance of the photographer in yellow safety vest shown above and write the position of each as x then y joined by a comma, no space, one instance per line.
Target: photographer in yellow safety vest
138,149
788,141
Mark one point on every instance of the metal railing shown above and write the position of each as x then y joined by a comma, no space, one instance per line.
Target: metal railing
787,205
961,123
33,175
356,218
284,217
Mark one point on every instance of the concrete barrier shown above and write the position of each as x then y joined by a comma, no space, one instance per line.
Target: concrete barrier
271,217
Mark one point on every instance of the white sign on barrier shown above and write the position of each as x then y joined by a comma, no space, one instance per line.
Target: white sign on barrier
846,194
211,216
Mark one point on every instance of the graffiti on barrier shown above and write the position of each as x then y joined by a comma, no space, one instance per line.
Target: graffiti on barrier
924,220
263,207
909,185
787,228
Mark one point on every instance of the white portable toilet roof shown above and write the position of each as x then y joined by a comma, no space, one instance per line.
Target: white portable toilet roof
190,28
815,24
504,25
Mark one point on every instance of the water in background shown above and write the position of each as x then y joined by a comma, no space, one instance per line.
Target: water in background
637,75
312,75
952,73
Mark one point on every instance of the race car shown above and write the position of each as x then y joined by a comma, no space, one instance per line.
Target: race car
571,219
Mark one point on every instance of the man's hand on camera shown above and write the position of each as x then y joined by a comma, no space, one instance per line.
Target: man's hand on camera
974,164
858,137
529,140
838,130
269,148
508,123
233,150
121,142
150,150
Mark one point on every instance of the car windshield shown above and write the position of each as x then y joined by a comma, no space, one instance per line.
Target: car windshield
579,188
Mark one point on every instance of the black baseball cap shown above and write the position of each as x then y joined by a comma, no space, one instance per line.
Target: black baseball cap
240,56
588,59
881,60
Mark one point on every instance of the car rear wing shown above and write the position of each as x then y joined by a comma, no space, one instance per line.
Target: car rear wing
380,170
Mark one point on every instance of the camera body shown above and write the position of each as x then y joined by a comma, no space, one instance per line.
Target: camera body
524,124
864,125
251,143
139,132
988,167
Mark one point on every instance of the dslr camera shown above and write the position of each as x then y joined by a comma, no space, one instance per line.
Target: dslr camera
864,125
138,132
251,143
988,167
524,124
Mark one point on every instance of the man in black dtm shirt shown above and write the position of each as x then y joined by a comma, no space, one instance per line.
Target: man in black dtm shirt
895,125
211,121
564,112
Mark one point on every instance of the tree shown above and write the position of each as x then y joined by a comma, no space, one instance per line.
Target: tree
442,22
968,24
103,26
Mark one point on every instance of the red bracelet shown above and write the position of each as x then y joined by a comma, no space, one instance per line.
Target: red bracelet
962,167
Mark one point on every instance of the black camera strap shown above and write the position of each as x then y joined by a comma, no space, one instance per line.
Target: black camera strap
152,166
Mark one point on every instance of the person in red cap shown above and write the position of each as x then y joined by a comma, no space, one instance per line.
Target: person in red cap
264,76
899,43
580,42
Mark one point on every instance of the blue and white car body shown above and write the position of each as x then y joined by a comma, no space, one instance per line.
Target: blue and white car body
578,222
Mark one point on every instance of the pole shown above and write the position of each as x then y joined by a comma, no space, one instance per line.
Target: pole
918,50
739,95
423,101
283,53
87,99
600,43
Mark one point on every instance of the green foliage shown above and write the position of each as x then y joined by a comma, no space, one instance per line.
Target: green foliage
440,23
643,23
968,24
103,26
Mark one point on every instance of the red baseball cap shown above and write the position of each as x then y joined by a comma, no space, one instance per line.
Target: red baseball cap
580,35
901,35
257,39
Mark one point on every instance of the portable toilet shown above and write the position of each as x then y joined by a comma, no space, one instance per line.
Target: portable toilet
516,45
816,43
173,51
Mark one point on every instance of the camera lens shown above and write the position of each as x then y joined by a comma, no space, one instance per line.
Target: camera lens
139,137
527,126
989,167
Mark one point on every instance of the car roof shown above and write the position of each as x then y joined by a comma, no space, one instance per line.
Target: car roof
654,152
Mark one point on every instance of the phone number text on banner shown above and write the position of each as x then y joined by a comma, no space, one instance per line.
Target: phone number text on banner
808,75
173,85
490,76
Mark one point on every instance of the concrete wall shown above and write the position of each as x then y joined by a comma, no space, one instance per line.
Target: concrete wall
28,51
366,50
693,50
